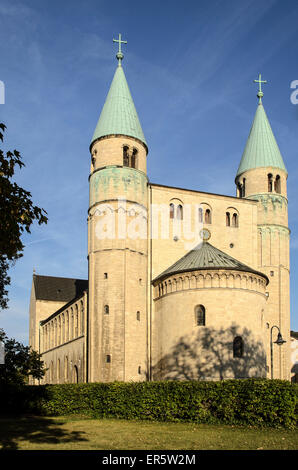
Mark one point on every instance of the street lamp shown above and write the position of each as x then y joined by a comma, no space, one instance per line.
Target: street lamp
280,341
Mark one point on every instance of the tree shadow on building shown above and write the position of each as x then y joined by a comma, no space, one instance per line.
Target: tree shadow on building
35,430
208,354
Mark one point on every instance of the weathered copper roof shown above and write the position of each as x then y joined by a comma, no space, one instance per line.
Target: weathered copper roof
119,115
261,148
206,256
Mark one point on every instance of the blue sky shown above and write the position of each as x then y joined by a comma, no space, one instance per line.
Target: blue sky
190,67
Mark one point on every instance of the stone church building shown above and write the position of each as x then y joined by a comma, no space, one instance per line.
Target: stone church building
182,284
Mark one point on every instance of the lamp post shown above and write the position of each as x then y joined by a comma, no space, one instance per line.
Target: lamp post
280,341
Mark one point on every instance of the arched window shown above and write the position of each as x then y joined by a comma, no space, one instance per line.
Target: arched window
71,323
134,158
277,188
200,215
58,371
139,370
65,369
235,220
238,347
243,188
179,212
125,156
138,316
51,372
172,211
208,216
106,310
228,220
67,326
75,375
270,183
82,317
76,320
239,190
200,315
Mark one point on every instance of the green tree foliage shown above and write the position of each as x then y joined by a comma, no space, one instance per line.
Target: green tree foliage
20,362
17,215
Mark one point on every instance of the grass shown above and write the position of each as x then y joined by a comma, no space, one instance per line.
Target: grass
81,433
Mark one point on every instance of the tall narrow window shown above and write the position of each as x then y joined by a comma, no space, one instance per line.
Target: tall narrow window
270,183
208,216
238,347
66,369
138,316
228,220
179,212
139,370
172,211
243,188
277,188
200,215
134,158
235,220
108,358
239,190
200,315
125,156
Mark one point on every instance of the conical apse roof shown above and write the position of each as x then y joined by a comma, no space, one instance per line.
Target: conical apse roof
206,256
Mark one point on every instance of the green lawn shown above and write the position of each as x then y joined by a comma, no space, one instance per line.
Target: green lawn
81,433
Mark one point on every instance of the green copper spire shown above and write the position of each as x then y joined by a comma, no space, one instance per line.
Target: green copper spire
119,115
261,148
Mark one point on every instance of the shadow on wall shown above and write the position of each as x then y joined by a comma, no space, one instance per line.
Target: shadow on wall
208,354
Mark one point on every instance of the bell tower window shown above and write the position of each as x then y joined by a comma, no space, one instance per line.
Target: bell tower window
134,158
243,188
277,188
270,183
125,156
130,157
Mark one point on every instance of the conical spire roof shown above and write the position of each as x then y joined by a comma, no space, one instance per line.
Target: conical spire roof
119,115
206,256
261,148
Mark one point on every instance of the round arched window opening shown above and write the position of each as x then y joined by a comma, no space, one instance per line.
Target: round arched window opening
200,315
238,347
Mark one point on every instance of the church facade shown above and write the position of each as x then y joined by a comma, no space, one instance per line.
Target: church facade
182,284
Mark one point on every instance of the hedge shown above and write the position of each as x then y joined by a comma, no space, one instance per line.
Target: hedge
254,402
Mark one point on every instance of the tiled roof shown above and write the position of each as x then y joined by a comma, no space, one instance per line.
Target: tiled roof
261,149
119,115
206,256
62,289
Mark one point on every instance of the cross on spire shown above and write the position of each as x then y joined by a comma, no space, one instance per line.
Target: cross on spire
260,93
119,54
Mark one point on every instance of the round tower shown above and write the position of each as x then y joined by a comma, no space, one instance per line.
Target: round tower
262,176
117,240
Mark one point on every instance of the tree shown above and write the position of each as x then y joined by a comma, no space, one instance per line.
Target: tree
17,214
20,362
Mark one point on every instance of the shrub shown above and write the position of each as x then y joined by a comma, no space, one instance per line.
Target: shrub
254,402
